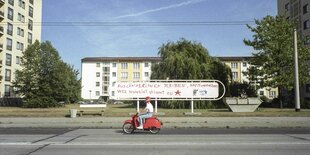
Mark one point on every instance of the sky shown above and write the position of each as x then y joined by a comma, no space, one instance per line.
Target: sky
138,28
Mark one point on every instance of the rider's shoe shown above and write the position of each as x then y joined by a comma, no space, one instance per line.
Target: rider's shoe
140,127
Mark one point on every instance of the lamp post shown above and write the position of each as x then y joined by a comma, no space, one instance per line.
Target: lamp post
89,94
297,97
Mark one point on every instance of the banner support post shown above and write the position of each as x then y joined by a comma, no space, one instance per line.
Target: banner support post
138,106
155,105
192,106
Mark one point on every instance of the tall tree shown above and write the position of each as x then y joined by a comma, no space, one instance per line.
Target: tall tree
45,79
273,55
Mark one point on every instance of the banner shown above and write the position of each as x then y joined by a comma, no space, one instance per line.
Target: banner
166,90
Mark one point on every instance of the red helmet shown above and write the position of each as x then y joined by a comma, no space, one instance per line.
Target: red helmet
148,98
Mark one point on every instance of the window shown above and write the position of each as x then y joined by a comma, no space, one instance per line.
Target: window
234,65
305,9
17,60
97,84
146,74
97,74
261,93
136,75
10,13
113,93
307,40
30,24
113,74
114,64
136,65
244,64
21,18
20,32
31,2
9,44
29,38
7,75
146,64
30,11
97,64
20,46
124,75
235,75
11,2
272,94
124,66
7,90
105,89
97,93
21,4
8,60
10,29
287,6
306,24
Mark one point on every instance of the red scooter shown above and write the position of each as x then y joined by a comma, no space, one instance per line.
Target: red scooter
151,124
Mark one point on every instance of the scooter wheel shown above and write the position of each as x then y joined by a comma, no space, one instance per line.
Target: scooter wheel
128,128
154,130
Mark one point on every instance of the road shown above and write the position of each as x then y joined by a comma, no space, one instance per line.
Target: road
70,141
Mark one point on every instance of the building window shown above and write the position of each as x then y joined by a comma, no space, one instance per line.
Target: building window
9,44
105,89
124,65
97,64
11,2
306,24
136,75
20,46
234,65
29,38
97,74
97,93
30,11
244,64
146,74
124,75
136,65
272,94
305,9
114,64
10,29
31,2
21,18
17,60
7,75
307,40
235,75
146,64
7,90
261,93
10,14
113,93
30,24
97,84
113,74
20,32
8,60
287,6
21,4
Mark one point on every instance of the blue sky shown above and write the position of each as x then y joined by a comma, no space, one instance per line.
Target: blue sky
66,25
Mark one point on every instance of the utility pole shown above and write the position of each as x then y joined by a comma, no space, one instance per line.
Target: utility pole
297,97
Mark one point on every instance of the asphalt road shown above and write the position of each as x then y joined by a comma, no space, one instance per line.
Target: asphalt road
70,141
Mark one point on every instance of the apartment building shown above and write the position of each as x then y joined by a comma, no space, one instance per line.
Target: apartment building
239,65
298,11
20,26
100,73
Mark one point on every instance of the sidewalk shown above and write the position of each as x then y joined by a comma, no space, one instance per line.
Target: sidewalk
168,122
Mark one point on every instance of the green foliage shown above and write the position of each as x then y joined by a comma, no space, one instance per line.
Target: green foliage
273,56
242,89
188,60
45,79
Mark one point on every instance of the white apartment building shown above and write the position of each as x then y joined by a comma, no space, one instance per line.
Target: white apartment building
20,26
100,73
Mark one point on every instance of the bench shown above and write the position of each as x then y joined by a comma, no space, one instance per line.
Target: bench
92,108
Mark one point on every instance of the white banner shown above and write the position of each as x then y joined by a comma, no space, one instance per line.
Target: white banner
166,90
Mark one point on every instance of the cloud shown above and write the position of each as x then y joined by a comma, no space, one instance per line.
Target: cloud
159,9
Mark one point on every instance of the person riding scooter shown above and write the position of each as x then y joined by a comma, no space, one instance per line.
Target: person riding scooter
147,112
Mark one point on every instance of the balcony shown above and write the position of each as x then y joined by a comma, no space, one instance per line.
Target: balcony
1,15
1,47
1,30
2,2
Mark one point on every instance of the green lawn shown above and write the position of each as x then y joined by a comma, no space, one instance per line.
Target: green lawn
124,110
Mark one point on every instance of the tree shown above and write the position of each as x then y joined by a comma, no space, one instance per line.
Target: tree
188,60
273,56
45,79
